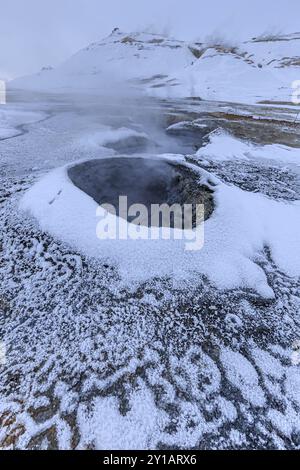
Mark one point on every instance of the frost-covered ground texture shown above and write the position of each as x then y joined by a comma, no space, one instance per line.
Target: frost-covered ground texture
92,360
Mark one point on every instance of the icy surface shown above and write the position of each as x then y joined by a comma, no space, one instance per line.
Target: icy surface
252,71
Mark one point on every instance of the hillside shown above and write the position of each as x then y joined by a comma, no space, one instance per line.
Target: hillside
261,69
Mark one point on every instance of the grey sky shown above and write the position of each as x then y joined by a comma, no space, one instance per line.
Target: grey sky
34,33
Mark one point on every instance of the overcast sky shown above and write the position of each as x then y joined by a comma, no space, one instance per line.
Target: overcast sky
35,33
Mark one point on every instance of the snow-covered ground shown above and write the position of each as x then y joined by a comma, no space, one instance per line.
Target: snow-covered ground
242,225
151,347
249,72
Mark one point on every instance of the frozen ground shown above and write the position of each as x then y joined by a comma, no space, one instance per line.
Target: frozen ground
92,362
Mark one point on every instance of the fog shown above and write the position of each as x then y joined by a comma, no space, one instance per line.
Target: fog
35,34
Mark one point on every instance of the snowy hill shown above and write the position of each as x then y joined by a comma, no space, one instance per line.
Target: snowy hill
261,69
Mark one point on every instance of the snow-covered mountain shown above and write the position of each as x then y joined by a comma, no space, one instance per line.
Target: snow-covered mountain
261,69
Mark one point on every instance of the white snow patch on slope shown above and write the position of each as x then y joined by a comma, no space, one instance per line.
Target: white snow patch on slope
223,146
241,226
272,52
